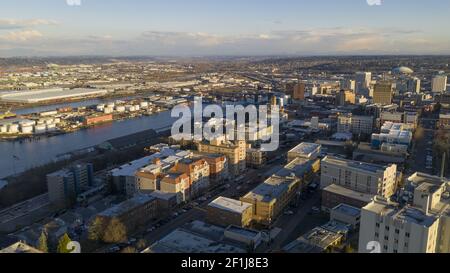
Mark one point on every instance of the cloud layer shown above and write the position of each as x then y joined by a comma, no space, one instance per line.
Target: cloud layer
23,36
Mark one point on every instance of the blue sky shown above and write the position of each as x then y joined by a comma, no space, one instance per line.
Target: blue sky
225,27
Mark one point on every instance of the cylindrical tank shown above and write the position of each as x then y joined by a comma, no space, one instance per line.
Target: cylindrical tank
13,128
26,129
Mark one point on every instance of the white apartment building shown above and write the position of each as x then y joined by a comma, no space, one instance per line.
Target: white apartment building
439,84
355,124
359,176
422,227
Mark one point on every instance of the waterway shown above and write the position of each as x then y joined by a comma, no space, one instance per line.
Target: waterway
16,157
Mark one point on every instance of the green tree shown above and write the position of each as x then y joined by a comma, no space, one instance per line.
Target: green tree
43,242
115,232
62,244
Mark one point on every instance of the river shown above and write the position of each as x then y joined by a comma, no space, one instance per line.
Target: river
16,157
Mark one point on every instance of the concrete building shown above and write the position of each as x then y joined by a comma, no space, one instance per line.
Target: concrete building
345,97
65,185
383,93
357,125
439,84
359,176
270,198
225,212
318,240
133,213
334,195
299,91
235,152
200,237
363,80
421,227
198,171
346,214
305,150
177,183
414,85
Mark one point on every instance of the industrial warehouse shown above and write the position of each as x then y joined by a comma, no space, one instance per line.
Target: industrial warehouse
45,95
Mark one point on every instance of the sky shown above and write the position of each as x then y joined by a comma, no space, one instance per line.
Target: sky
223,27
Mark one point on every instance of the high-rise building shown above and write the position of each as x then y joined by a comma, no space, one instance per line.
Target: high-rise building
65,185
348,85
359,176
345,97
421,227
363,80
299,91
383,93
439,84
414,85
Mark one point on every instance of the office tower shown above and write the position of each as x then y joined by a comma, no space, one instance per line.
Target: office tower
345,97
299,91
383,93
348,85
65,185
359,176
439,84
421,227
414,85
363,80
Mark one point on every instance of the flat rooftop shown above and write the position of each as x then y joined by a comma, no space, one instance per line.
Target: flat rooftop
413,215
299,166
272,189
348,210
321,237
306,149
19,247
339,190
124,207
230,205
50,94
183,241
373,168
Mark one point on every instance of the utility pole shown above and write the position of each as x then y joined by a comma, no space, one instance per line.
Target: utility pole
443,165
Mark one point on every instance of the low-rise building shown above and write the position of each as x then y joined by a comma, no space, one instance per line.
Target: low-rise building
346,214
270,198
334,195
318,240
359,176
133,213
225,212
20,248
305,150
235,152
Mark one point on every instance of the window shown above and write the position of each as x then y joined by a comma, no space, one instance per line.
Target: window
378,225
407,235
397,231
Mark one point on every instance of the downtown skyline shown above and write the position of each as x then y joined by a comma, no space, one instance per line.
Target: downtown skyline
209,28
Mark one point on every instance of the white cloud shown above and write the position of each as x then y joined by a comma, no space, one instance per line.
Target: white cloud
18,24
21,36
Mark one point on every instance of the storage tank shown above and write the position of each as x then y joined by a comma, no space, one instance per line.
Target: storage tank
39,129
51,127
120,109
13,128
108,110
27,123
26,129
100,107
